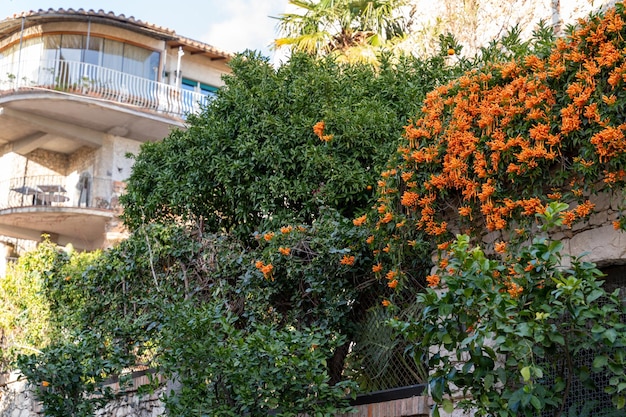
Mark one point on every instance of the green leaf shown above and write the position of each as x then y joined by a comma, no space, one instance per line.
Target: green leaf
525,371
536,402
600,361
610,335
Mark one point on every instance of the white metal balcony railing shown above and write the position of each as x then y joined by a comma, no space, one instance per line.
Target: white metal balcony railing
58,191
99,82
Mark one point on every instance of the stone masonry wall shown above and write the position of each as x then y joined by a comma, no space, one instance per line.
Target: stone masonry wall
17,400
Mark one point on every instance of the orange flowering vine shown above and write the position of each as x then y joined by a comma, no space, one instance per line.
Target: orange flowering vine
347,260
497,144
359,221
265,269
318,129
433,280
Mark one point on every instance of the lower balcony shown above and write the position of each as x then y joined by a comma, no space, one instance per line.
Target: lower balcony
74,209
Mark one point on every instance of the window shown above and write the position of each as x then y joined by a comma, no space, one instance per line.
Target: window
198,87
74,49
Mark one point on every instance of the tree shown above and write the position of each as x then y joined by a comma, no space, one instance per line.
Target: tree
353,29
252,159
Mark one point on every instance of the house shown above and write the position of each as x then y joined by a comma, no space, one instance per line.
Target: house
79,90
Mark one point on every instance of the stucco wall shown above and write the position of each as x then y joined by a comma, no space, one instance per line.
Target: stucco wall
475,23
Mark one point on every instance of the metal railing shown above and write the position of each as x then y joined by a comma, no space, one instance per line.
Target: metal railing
99,82
58,191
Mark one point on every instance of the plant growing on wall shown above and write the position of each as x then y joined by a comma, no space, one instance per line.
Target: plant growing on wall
505,329
490,149
492,152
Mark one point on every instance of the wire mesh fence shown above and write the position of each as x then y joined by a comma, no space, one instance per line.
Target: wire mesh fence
586,396
379,359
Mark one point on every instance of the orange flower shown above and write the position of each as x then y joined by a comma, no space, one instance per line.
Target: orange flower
443,246
393,283
268,236
318,128
386,303
443,263
45,384
617,225
389,173
359,221
370,240
387,218
391,275
409,199
584,209
433,280
286,229
347,260
284,251
610,100
465,211
265,269
500,247
377,268
568,218
514,290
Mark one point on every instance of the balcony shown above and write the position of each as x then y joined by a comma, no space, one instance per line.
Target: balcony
99,83
72,209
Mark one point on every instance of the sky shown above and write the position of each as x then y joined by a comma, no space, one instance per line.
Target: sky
231,25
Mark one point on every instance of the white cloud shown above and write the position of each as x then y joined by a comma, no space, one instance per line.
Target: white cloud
247,25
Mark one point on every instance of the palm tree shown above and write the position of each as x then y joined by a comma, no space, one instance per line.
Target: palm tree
353,29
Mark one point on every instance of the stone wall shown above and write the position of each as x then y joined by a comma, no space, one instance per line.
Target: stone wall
17,400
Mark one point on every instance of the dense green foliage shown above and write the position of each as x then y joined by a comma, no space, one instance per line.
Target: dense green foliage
246,280
251,160
515,321
241,228
489,155
24,317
